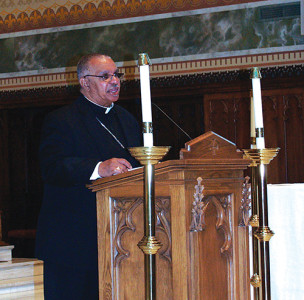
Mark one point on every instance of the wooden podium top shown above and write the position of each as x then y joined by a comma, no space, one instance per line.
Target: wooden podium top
206,152
210,145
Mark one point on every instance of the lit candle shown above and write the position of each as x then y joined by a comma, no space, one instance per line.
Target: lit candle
146,109
257,108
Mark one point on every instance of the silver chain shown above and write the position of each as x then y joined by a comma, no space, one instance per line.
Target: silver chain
109,131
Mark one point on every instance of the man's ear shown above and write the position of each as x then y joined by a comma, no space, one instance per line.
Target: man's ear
83,83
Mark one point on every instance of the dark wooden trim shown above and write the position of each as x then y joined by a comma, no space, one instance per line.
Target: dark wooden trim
192,84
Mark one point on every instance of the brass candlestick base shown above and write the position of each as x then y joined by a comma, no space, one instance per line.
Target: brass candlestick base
149,156
260,158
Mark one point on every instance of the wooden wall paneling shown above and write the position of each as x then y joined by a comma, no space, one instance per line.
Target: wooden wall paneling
229,116
163,129
294,135
283,123
274,134
187,112
25,183
17,124
242,122
34,181
132,105
191,118
4,172
217,115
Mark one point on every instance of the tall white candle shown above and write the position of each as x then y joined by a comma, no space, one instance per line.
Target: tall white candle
145,96
257,106
252,125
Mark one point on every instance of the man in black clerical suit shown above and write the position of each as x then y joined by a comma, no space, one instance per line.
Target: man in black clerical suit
80,142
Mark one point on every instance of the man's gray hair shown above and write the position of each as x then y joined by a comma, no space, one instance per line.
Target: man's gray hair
83,65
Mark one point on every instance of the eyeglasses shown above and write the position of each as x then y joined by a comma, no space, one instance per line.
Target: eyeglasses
107,76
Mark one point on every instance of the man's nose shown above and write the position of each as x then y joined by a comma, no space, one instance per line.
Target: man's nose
114,78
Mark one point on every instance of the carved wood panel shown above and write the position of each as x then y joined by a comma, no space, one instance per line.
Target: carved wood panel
211,241
127,214
216,235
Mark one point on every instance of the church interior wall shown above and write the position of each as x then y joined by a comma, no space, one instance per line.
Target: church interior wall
201,53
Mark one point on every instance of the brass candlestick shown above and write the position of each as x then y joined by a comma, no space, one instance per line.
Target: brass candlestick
261,279
149,157
255,279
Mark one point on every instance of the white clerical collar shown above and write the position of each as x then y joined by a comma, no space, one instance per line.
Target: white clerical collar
107,108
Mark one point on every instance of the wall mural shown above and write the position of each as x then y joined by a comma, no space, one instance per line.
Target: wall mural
193,42
20,15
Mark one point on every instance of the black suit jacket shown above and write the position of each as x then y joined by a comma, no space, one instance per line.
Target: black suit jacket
73,142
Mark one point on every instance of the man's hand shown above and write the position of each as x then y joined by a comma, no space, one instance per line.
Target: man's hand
113,166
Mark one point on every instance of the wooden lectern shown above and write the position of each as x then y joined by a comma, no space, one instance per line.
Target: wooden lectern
202,214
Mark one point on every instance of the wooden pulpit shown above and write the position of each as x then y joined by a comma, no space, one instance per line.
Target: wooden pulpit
202,211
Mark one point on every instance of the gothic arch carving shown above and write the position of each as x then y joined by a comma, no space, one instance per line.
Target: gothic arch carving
122,214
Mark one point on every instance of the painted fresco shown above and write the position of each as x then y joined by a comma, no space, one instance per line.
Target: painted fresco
206,36
22,15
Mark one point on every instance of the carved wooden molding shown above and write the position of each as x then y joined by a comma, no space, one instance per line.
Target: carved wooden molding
122,217
244,211
163,224
197,222
223,207
122,211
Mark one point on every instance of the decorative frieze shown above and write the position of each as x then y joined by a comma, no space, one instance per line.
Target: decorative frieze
31,15
160,77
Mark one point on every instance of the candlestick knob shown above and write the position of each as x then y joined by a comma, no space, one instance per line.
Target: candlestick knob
143,59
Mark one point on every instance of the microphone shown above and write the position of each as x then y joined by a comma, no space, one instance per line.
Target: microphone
190,138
